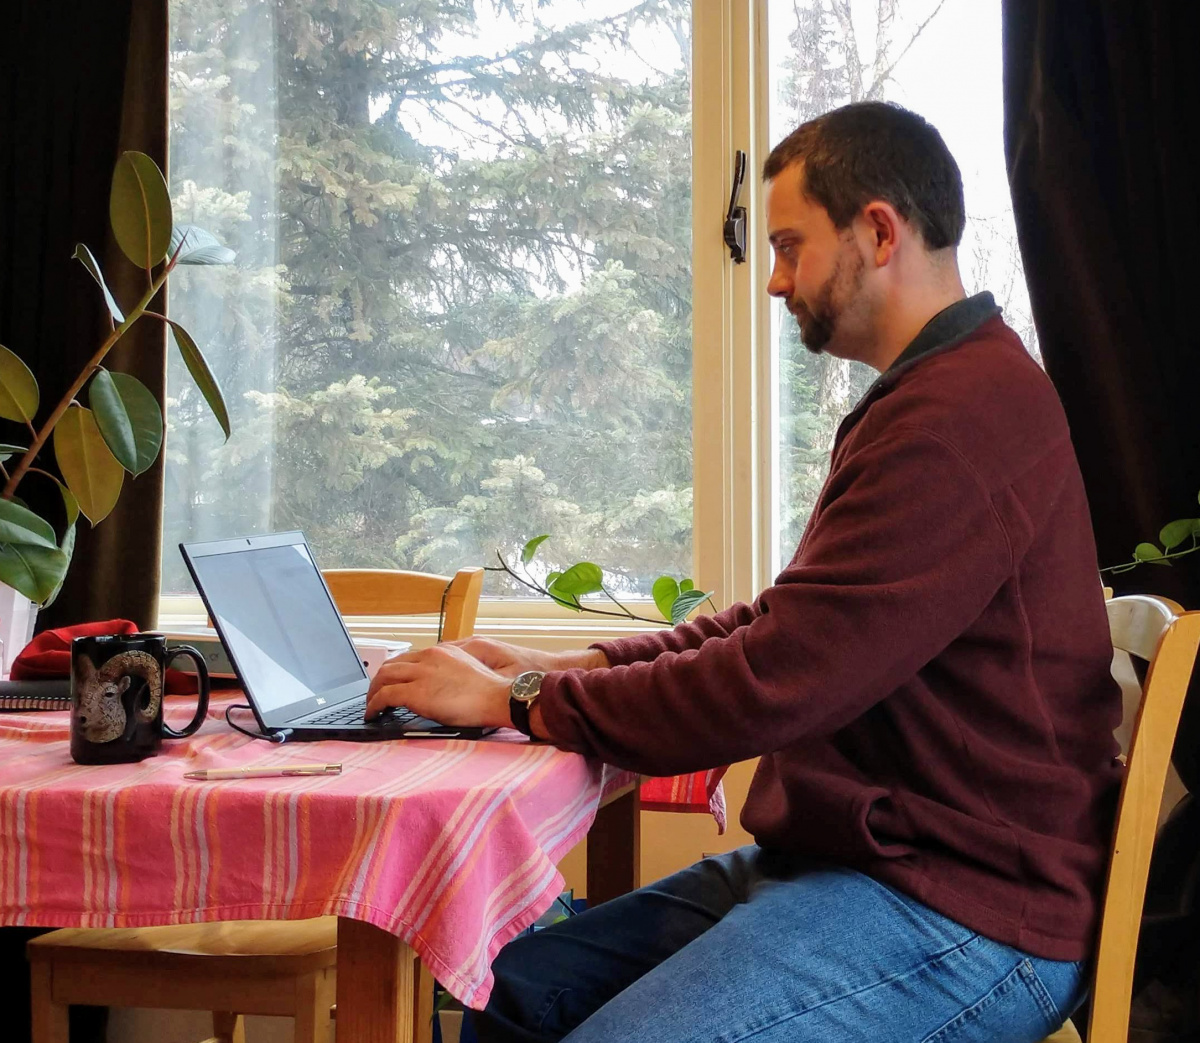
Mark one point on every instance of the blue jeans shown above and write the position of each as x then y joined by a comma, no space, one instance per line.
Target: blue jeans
753,945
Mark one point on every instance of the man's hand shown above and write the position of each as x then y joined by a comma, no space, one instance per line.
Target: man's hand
511,660
445,684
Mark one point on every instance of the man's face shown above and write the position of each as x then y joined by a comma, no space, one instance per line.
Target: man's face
818,271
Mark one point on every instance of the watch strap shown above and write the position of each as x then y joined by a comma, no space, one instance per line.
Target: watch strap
518,710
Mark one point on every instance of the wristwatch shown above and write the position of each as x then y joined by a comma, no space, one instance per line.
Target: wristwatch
521,695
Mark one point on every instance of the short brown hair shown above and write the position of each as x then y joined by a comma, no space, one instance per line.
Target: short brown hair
877,150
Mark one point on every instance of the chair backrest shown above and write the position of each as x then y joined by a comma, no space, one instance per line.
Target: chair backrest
1161,633
393,592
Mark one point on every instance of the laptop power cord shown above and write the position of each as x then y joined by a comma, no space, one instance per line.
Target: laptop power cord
278,736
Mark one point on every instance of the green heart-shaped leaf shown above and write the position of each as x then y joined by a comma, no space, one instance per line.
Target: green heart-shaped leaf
1174,533
128,417
84,256
581,578
530,549
684,604
18,389
139,208
90,470
664,592
202,375
199,247
685,585
566,600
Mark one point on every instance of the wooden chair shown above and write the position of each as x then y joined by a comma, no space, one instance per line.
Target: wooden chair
391,592
1159,632
282,967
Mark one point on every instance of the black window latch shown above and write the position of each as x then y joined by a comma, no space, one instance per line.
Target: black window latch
735,219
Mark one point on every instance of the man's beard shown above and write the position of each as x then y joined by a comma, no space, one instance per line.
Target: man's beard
819,323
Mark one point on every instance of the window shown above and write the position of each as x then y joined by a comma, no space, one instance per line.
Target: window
481,290
461,311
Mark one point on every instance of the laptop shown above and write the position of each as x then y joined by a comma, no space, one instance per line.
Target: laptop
289,647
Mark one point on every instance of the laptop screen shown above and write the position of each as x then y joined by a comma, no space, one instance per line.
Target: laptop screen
277,620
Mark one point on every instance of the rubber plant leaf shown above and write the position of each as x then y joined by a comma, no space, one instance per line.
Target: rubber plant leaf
84,256
30,561
199,247
18,389
67,544
129,418
139,208
87,465
202,375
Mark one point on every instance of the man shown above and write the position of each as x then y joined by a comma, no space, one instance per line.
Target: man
927,682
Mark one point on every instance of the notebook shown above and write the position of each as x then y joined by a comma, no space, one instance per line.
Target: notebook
288,645
36,695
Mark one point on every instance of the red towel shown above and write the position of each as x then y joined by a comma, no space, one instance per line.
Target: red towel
48,656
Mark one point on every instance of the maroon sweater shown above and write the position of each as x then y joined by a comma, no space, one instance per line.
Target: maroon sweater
928,680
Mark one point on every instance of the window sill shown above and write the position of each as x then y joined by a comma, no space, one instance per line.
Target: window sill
549,633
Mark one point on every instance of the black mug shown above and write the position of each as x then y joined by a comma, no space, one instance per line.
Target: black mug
117,697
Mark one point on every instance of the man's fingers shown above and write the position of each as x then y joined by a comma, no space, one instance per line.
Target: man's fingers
382,698
386,686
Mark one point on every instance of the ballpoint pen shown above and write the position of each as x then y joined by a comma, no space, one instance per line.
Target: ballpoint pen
270,771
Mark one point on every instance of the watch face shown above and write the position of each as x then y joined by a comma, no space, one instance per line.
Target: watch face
527,685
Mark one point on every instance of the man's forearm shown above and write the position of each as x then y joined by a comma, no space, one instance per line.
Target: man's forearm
581,659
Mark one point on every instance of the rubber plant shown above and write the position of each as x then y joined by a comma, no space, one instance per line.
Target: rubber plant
675,599
107,424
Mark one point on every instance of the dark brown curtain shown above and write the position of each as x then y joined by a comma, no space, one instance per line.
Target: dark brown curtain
80,82
1100,124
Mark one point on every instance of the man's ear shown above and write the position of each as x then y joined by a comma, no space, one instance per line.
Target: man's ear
881,226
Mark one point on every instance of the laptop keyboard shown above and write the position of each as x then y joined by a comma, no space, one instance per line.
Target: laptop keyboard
352,713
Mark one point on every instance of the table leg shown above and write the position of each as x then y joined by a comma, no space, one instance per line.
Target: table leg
614,848
375,1002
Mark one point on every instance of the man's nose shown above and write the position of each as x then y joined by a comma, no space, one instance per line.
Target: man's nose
780,283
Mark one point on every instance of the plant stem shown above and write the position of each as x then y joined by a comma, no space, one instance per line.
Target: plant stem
604,591
505,567
1130,565
40,437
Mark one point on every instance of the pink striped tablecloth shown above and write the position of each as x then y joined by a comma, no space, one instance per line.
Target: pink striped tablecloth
450,845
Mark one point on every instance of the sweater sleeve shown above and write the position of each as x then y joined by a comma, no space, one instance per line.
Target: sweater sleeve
907,552
644,647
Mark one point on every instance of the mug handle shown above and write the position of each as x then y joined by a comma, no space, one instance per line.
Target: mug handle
202,684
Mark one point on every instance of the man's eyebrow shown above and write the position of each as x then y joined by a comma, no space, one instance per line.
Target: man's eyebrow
783,233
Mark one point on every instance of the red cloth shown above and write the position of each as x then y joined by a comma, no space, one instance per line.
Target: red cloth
48,656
